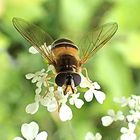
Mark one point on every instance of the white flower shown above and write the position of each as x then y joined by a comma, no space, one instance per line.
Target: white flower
75,101
90,136
93,90
107,120
128,133
30,132
134,117
65,113
123,101
39,78
132,103
33,50
35,76
99,95
48,101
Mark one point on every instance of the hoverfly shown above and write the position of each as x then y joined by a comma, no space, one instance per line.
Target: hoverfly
63,54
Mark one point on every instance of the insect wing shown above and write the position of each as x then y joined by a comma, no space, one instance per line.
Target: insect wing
95,40
36,36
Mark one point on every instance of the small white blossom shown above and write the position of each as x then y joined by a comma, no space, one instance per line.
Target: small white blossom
32,50
99,95
134,116
30,132
128,133
90,136
133,102
123,101
39,78
65,112
48,101
107,120
93,90
75,101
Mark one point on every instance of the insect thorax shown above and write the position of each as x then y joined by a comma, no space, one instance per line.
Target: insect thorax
66,63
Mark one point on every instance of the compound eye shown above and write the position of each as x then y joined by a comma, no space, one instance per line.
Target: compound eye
61,79
76,78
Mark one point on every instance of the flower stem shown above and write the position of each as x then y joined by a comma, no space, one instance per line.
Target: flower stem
71,130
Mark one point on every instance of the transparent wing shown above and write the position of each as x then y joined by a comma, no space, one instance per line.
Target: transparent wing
36,36
95,40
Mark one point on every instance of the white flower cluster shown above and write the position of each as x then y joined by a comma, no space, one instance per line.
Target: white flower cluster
54,99
30,132
131,118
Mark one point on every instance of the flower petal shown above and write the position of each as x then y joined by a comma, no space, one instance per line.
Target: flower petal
100,96
71,101
52,106
131,126
129,118
96,85
79,103
35,79
111,112
30,131
89,136
106,120
120,115
124,130
123,101
39,84
51,68
33,50
132,103
38,90
29,75
32,108
45,101
42,136
88,95
65,113
128,136
85,82
98,136
18,138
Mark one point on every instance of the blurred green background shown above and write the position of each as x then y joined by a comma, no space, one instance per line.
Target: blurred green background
116,67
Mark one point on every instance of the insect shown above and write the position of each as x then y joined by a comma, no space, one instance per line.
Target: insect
63,54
